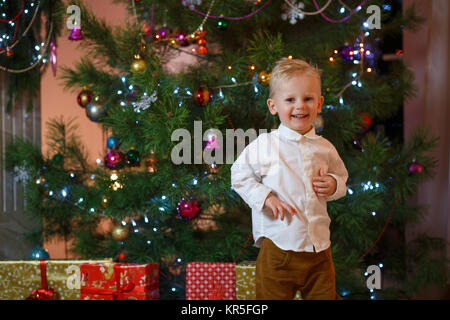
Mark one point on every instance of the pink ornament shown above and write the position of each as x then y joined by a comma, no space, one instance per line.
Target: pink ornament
76,34
415,168
212,143
188,209
53,57
114,159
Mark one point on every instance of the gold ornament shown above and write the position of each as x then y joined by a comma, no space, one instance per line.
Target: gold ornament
105,202
138,64
264,78
120,233
84,97
151,163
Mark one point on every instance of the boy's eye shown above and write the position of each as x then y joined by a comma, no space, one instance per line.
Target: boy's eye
308,98
290,99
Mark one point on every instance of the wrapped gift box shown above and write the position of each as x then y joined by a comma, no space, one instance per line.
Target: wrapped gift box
245,281
120,281
210,281
18,279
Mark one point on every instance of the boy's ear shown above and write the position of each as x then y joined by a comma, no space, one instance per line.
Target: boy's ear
272,107
319,107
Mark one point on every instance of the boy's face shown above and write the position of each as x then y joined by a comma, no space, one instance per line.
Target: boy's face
297,100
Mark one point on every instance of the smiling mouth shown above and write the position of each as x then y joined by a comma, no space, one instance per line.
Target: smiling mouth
299,116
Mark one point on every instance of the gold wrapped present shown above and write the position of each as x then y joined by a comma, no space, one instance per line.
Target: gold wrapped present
245,281
19,279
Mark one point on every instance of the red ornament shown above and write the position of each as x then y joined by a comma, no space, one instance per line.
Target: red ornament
84,97
203,95
114,159
188,209
415,168
201,41
365,121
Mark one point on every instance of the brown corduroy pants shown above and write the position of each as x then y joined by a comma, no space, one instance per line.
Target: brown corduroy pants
280,273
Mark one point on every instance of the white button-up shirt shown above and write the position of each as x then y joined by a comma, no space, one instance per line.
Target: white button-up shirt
284,162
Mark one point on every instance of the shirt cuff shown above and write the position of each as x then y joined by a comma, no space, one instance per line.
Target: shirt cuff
263,193
341,188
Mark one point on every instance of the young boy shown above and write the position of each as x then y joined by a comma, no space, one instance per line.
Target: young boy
286,177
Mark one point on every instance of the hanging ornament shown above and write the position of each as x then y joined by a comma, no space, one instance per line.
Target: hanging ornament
21,174
201,41
133,158
222,24
138,64
415,168
182,39
105,202
318,123
84,97
39,253
9,52
58,159
212,168
95,111
203,95
112,143
120,233
116,184
365,121
211,142
191,2
53,57
114,159
145,102
264,78
163,33
76,34
151,161
188,208
291,13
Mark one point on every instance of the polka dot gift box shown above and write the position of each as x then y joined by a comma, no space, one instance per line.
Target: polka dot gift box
46,279
245,281
210,281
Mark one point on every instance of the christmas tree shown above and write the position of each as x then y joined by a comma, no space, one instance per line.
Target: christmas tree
168,193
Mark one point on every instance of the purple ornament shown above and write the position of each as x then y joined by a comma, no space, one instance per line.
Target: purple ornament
163,32
182,39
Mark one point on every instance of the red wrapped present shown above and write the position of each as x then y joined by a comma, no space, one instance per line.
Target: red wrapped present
210,281
119,281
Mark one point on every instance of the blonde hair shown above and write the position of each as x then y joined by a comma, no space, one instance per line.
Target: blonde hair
285,68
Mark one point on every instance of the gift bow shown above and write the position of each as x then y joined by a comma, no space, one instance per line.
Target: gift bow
44,293
218,291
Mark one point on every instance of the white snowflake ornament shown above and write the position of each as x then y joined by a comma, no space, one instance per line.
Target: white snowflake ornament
145,102
21,174
291,13
191,2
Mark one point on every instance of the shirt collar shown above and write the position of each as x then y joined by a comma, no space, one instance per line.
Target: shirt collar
290,134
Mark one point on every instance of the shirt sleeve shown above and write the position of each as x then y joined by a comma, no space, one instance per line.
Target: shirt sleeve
246,179
337,170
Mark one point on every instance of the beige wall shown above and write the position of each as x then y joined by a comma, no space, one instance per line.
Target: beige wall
427,54
57,101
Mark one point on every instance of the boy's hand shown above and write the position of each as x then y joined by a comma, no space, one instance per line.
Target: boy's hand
324,185
278,207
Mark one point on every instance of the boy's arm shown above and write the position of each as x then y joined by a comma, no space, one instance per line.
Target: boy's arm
337,170
246,181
